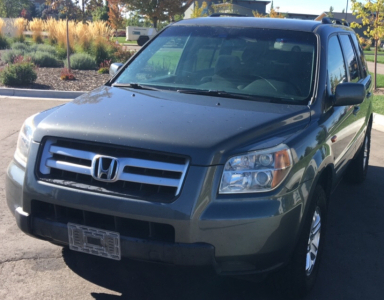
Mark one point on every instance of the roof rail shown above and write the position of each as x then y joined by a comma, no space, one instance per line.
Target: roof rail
334,21
226,14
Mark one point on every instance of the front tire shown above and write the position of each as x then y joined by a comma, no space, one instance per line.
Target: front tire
299,276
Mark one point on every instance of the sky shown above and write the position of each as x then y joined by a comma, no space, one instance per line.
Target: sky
310,6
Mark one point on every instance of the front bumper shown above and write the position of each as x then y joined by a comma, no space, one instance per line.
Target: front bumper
198,254
235,236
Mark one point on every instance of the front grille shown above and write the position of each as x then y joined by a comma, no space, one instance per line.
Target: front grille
136,174
126,227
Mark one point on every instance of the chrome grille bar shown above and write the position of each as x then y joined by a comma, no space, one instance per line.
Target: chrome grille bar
72,152
144,171
149,180
147,164
66,166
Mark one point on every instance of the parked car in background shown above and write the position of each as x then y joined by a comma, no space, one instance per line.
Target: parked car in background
209,147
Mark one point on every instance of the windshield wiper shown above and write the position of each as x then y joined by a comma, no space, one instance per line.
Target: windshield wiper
262,98
223,94
135,86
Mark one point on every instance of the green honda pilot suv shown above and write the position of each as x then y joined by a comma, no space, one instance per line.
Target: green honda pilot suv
218,143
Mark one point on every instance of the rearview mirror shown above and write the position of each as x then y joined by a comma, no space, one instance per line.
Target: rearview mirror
114,68
349,93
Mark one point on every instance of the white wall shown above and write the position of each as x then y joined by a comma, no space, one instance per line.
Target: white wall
9,29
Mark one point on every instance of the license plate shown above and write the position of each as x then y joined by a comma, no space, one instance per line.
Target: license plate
94,241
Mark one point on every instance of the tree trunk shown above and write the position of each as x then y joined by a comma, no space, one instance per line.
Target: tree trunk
155,20
68,48
375,82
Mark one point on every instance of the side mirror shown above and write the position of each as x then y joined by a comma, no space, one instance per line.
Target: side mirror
114,68
349,93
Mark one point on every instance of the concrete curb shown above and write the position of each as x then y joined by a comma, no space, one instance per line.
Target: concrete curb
30,93
378,122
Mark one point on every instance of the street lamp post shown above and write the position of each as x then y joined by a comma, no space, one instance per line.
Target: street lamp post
346,11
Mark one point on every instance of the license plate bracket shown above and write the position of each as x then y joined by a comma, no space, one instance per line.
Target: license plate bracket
94,241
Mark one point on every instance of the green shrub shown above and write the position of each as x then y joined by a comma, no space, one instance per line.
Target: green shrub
18,74
19,39
9,56
20,46
101,52
61,53
81,61
4,44
33,48
44,59
122,55
38,39
46,48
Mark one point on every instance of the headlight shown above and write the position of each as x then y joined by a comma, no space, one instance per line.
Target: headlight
24,141
258,171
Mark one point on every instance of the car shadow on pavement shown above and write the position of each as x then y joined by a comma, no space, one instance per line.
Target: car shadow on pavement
351,266
143,280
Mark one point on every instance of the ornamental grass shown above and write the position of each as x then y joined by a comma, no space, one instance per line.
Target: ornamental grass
37,27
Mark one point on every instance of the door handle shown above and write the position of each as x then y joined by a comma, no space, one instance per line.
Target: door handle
356,110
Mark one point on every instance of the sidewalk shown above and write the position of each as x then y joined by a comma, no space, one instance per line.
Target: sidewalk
371,67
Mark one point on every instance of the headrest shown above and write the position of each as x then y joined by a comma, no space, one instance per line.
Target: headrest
226,63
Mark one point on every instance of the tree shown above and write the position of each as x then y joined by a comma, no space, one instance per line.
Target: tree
94,4
330,13
115,18
13,8
372,15
272,14
158,10
275,14
100,13
198,11
70,9
137,20
84,4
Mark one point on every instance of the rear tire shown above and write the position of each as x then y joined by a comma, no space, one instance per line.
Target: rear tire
297,278
358,168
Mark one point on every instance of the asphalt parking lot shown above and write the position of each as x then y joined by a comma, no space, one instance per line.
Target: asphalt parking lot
352,266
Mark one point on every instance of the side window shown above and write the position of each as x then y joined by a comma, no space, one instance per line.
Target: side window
336,68
361,55
351,58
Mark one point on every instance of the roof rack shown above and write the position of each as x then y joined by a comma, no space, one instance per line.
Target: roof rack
226,14
334,21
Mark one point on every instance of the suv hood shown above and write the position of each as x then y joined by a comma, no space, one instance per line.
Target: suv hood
207,129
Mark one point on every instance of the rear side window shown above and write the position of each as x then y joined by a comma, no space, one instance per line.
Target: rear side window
360,53
351,58
336,68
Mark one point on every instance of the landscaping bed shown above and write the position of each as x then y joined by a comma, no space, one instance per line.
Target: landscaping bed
49,79
41,63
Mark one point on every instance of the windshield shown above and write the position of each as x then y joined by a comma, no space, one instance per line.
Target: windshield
264,64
